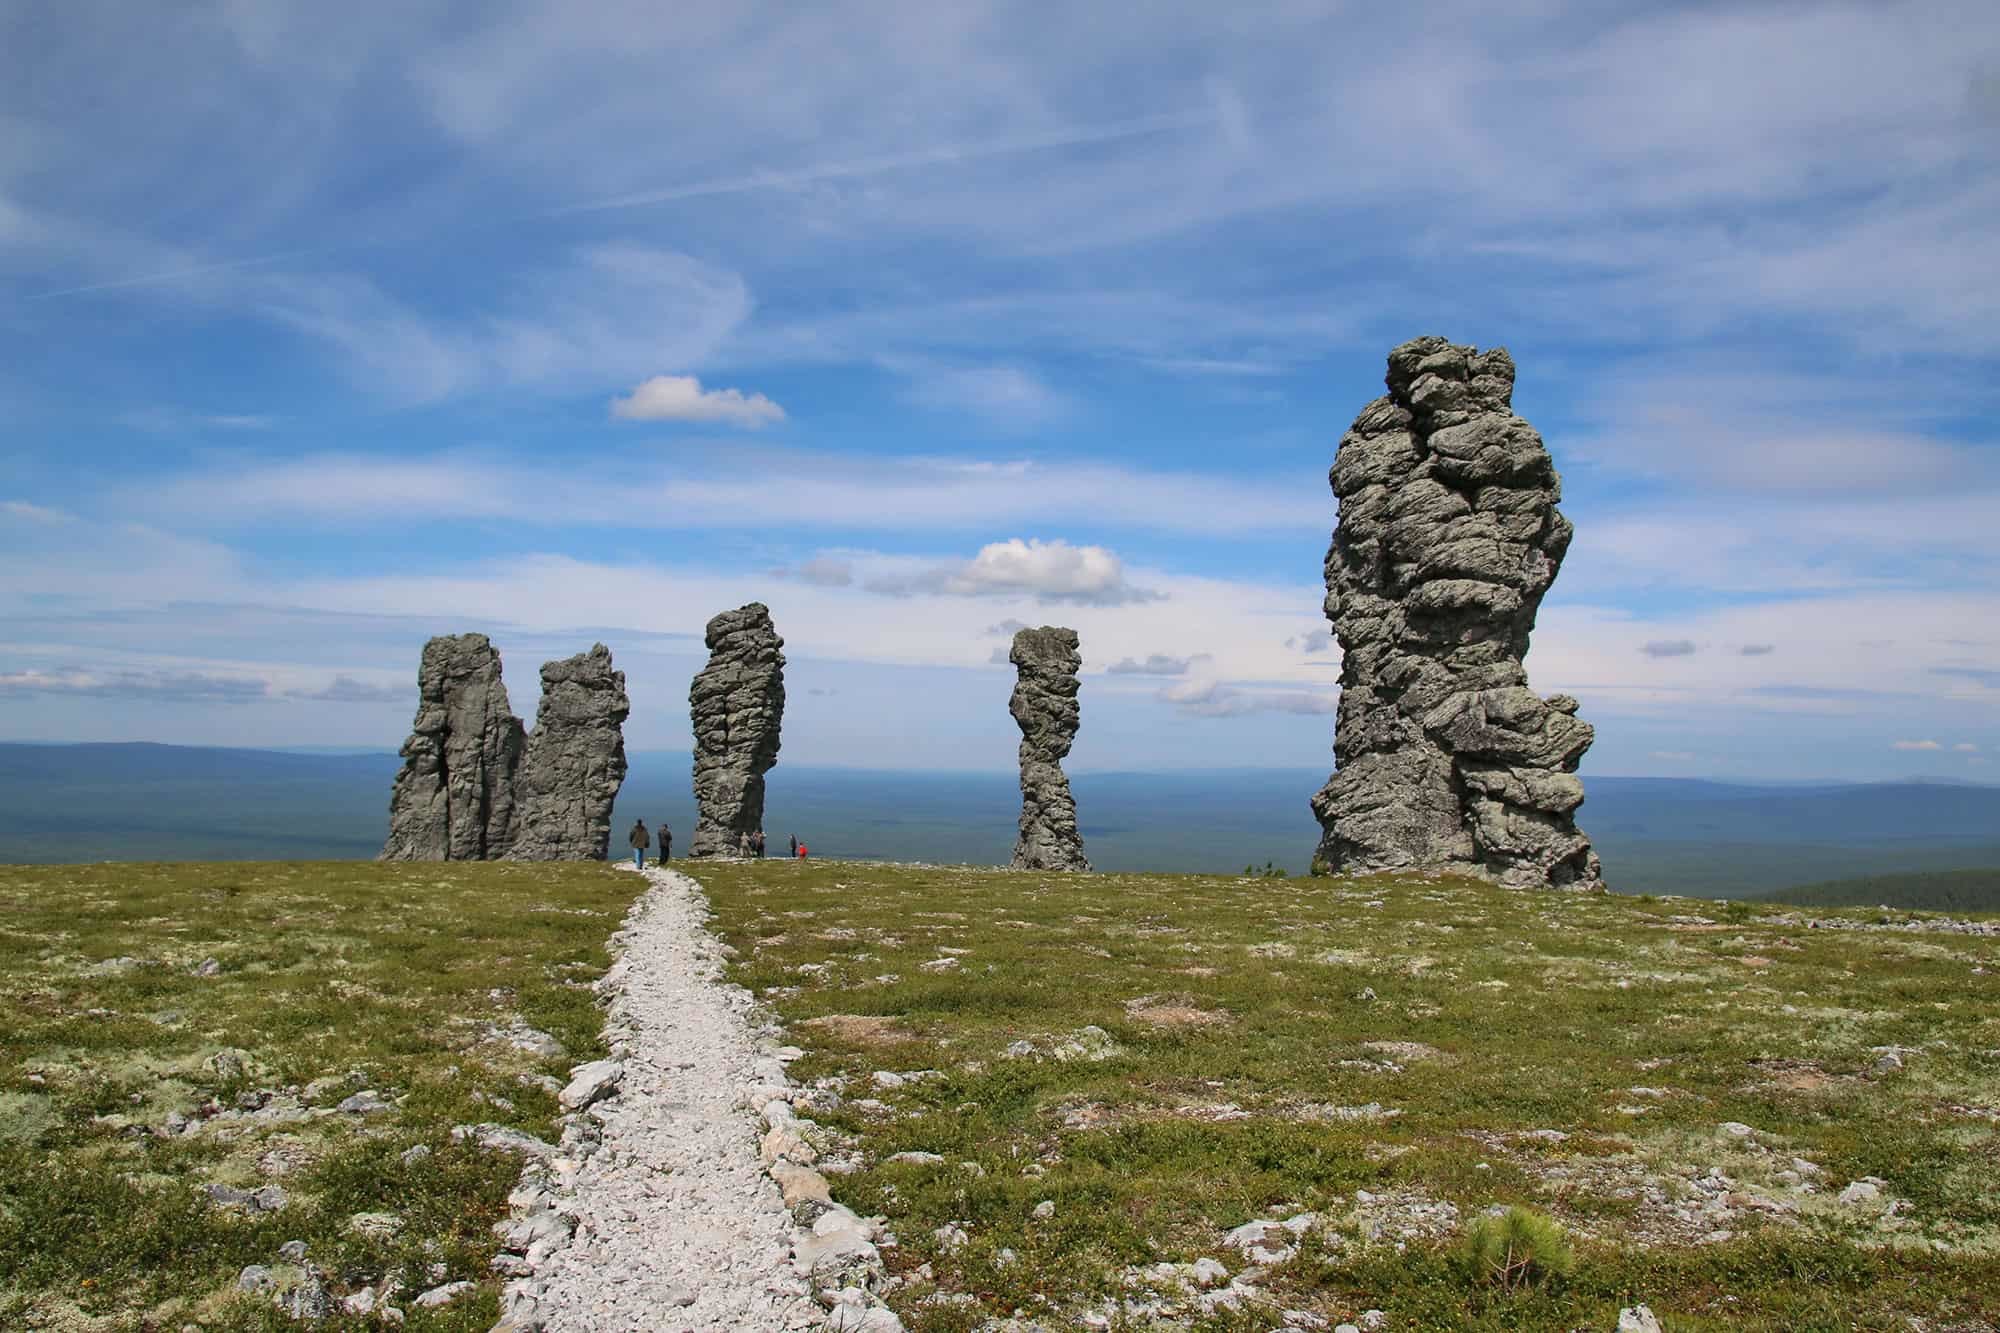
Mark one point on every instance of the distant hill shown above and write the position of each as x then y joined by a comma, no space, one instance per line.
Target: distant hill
1657,835
1935,891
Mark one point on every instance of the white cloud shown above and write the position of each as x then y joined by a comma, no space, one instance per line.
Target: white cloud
1672,756
1966,747
1916,745
1668,648
1048,571
1312,642
681,398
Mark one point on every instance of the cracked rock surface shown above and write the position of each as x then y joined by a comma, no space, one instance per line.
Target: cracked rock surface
575,761
738,705
1448,537
454,798
477,786
1044,705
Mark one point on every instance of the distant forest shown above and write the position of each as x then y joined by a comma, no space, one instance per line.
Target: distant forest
1930,891
1925,845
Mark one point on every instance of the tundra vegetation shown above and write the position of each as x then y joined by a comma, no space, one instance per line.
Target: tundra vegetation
1062,1092
317,1028
1754,1123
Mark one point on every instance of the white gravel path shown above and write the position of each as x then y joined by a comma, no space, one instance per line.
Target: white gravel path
677,1224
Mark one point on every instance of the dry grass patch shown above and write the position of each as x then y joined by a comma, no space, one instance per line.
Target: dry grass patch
1172,1011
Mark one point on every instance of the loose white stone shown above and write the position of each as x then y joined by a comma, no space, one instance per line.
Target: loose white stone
677,1223
590,1083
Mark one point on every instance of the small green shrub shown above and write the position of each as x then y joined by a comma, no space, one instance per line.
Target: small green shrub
1736,912
1518,1248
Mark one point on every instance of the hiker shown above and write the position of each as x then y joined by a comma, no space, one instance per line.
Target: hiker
795,845
640,842
757,843
666,841
743,845
802,851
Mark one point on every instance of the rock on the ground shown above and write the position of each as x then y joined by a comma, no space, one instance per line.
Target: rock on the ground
737,704
1044,705
575,762
444,1294
454,798
589,1083
1447,540
1638,1319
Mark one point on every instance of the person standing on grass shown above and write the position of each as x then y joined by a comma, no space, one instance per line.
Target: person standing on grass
802,853
795,846
743,844
757,843
640,842
666,841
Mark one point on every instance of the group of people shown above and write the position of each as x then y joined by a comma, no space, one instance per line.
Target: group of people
748,845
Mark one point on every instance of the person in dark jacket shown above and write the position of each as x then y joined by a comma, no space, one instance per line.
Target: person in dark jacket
757,843
795,846
640,841
666,841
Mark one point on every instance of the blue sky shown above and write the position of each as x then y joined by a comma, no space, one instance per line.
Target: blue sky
327,328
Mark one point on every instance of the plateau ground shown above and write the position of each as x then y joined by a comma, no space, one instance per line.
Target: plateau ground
201,1063
1062,1093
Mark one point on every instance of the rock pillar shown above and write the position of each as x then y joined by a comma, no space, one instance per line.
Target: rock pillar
1044,705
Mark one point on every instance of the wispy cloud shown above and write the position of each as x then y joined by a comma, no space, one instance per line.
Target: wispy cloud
607,312
1155,664
347,690
704,488
1915,745
1216,698
826,572
1011,396
681,398
1668,648
158,686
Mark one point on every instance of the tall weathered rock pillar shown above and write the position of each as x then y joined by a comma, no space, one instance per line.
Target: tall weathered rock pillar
569,777
1045,707
1447,539
738,706
454,798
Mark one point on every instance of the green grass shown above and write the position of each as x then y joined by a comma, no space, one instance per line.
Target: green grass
1242,1019
333,977
1247,1016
